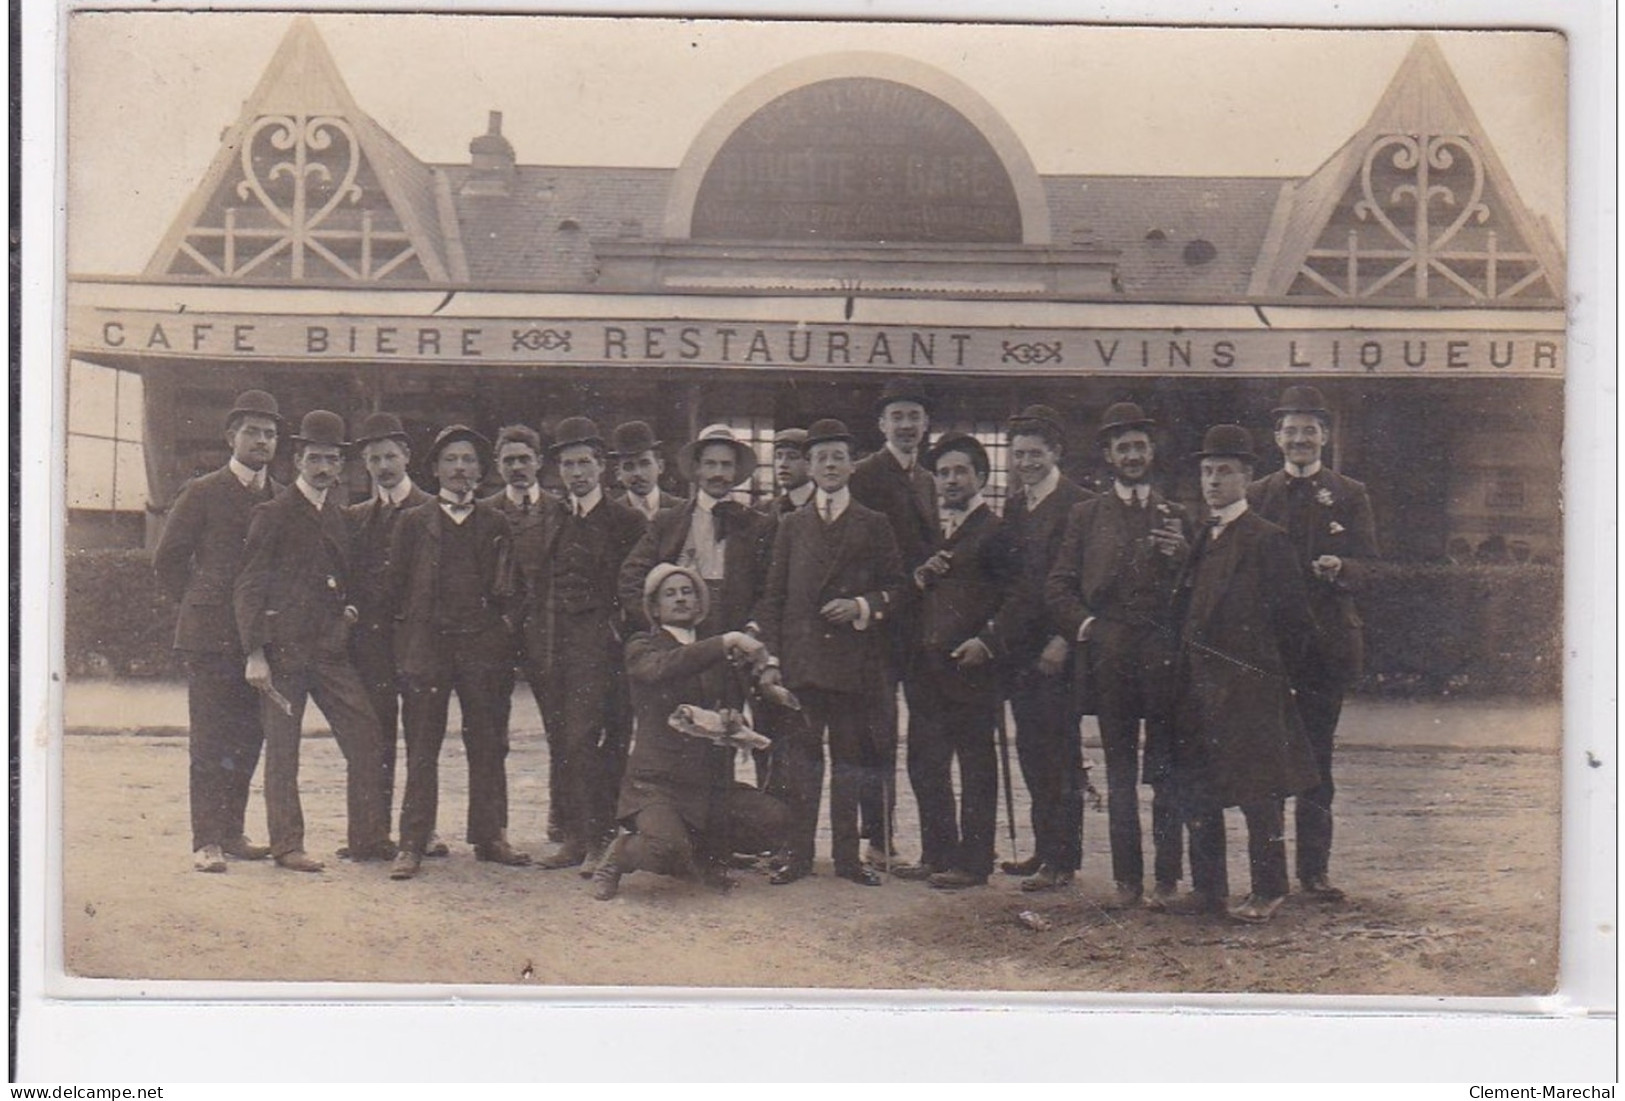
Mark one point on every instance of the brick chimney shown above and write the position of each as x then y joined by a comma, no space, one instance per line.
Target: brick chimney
491,158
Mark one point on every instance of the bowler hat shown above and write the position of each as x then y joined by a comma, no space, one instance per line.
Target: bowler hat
254,403
380,426
1037,416
902,389
790,437
663,570
572,431
826,431
322,428
1301,399
959,441
1124,416
688,459
1227,441
451,434
632,438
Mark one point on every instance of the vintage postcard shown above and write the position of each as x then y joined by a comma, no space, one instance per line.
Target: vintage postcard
1021,308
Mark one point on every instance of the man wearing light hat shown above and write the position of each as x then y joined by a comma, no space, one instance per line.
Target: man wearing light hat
1328,518
453,634
638,467
197,560
1246,642
725,541
575,631
295,614
1108,594
386,453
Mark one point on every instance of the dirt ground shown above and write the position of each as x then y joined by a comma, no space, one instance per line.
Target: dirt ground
1447,844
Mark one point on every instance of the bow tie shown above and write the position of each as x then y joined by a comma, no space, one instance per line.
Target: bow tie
457,508
726,516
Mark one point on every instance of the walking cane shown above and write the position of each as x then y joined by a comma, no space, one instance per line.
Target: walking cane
1009,787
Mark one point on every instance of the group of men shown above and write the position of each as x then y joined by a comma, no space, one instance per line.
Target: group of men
659,633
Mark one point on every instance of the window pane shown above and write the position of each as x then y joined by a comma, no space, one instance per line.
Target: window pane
90,399
90,473
129,423
131,492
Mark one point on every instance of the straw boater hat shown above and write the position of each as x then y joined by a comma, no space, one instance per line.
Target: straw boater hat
902,389
632,438
652,583
1124,416
380,426
1227,441
959,441
321,428
572,431
827,430
254,403
791,437
1302,399
688,459
454,432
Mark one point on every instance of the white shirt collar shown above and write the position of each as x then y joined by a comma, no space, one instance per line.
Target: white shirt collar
1035,494
803,493
684,635
317,497
705,502
249,477
904,460
1126,494
839,500
396,496
581,506
1293,470
1229,514
532,493
649,503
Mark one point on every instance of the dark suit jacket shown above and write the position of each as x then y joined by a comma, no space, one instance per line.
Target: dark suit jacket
1097,549
667,500
907,498
199,554
1247,640
294,584
518,519
372,527
778,506
1342,524
414,586
814,563
745,558
666,766
976,598
612,530
1037,537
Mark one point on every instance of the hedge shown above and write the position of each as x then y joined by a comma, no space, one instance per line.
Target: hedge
1430,629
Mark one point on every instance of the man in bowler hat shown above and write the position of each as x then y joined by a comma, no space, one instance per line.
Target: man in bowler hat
1327,516
1108,593
1036,675
197,560
295,615
1247,644
638,467
447,585
833,584
386,453
575,630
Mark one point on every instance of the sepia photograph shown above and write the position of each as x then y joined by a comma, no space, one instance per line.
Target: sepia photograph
560,502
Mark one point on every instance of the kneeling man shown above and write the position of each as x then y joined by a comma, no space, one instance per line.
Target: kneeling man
681,810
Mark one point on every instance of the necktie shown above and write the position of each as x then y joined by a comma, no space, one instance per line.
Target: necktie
829,510
724,516
524,505
950,523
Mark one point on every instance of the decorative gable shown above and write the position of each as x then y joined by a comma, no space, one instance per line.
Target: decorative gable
1416,208
306,188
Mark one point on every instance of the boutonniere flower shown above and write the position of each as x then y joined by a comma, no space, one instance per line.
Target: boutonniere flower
1324,496
1162,507
1335,528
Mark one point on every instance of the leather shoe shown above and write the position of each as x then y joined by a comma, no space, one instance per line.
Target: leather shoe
606,876
954,879
595,853
209,859
500,852
788,874
1196,904
1029,866
299,861
1161,895
1047,878
436,847
378,850
244,849
1125,896
876,856
914,873
862,876
1321,890
406,865
567,855
1257,909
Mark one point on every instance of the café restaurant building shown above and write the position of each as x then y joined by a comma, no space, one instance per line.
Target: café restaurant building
848,218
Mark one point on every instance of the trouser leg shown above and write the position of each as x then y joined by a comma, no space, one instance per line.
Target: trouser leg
484,693
850,724
930,774
1266,847
1049,747
423,707
1312,812
877,802
375,664
1167,842
746,820
225,737
1208,872
1120,741
979,787
284,816
343,698
799,760
660,842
